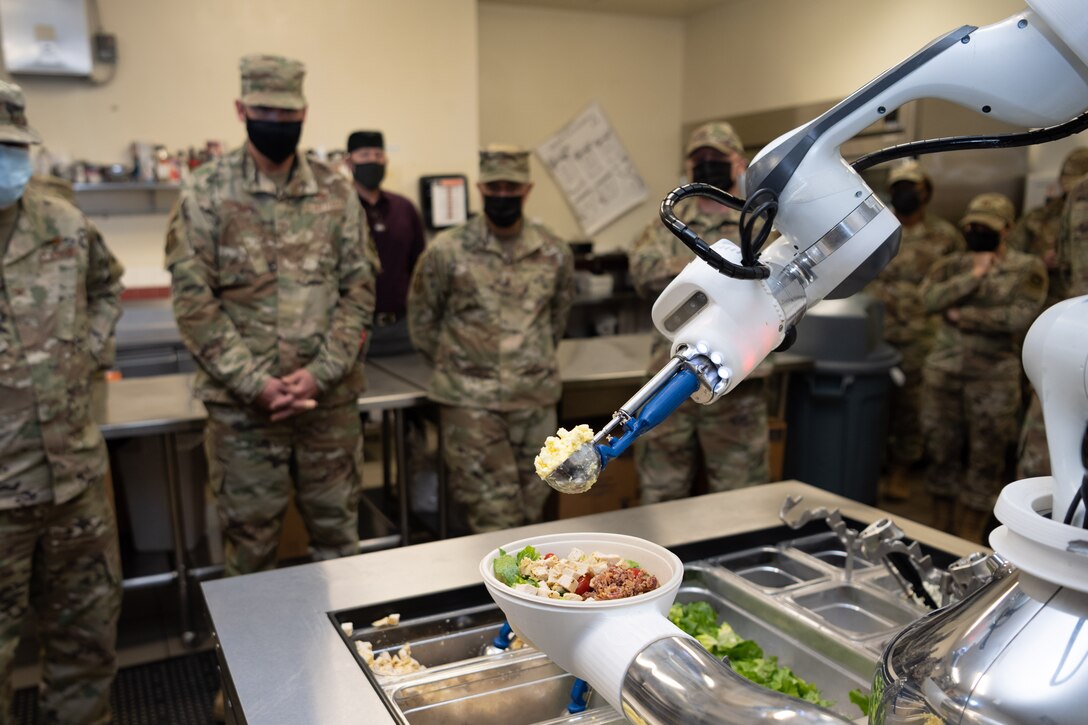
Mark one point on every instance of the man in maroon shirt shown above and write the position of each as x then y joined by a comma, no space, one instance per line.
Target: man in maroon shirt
397,232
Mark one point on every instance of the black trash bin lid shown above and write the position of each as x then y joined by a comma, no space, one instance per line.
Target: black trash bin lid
882,359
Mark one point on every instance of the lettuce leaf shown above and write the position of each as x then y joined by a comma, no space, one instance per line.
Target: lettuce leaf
506,568
528,552
861,699
700,620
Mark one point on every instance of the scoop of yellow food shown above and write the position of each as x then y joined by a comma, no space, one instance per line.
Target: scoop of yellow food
559,447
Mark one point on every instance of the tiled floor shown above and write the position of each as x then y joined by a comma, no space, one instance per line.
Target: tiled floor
148,632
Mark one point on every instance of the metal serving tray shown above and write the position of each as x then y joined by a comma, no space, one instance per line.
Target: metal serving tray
804,658
829,550
526,690
440,639
771,568
854,610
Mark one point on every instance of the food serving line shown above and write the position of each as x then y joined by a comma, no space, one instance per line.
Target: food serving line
285,658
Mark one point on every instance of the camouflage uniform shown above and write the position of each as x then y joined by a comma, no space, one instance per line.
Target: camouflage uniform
1037,232
972,375
732,433
907,325
266,281
489,314
1073,242
59,301
1070,277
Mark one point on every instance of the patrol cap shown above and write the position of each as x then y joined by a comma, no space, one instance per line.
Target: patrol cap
503,162
365,140
907,171
992,210
13,125
1074,168
716,135
272,80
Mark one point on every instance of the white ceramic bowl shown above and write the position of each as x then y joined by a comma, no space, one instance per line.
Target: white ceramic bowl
593,640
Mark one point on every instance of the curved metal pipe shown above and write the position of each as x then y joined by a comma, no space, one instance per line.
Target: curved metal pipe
675,680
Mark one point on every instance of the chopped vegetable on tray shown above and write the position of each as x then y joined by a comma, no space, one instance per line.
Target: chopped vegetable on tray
700,620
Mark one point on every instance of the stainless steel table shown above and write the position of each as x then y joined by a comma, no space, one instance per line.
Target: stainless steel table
164,405
391,395
284,662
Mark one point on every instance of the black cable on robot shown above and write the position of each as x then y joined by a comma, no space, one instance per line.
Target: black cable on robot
964,143
751,240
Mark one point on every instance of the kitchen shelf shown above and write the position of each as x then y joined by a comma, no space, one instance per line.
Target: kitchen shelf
127,186
126,197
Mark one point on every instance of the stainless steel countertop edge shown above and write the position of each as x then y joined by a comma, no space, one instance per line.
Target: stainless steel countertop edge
289,664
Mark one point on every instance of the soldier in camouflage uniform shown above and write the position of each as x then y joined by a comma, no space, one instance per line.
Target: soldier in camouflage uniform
926,239
488,304
1073,242
1037,232
1044,232
732,433
273,287
60,297
987,298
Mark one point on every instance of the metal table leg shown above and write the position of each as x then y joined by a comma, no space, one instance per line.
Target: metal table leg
387,457
783,394
177,524
402,477
443,493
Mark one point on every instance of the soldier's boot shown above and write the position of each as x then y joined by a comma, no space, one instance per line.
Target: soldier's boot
944,513
897,486
972,524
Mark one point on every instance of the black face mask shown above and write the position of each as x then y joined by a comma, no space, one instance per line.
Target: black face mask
982,240
905,199
715,173
369,175
275,139
503,211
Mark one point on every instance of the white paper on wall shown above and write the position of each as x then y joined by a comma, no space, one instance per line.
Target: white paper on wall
593,170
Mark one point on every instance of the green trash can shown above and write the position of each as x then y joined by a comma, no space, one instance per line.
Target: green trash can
837,423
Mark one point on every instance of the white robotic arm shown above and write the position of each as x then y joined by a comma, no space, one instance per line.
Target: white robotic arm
725,312
836,234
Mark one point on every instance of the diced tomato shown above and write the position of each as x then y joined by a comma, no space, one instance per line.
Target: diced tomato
636,571
549,555
583,584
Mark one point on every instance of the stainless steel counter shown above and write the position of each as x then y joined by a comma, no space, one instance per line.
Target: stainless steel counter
165,403
147,406
288,664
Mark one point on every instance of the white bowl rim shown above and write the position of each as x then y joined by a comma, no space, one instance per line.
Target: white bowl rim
664,588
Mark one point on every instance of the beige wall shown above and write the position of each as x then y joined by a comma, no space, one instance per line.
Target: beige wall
539,68
405,66
443,76
755,55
